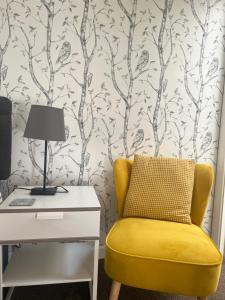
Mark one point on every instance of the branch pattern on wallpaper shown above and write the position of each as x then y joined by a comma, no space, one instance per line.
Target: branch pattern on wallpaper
201,82
132,76
159,43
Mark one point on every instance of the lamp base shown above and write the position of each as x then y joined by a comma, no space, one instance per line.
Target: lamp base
45,192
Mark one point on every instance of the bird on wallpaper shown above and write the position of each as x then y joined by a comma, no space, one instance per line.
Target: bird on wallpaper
165,84
87,158
213,67
89,79
64,52
67,132
143,60
138,139
206,141
4,72
170,5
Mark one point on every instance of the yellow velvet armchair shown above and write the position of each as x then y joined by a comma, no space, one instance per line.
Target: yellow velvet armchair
161,255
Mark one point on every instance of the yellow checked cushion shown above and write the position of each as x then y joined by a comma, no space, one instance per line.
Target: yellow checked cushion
160,188
162,256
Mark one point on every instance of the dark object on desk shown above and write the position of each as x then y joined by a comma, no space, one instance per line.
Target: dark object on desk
5,137
45,123
22,202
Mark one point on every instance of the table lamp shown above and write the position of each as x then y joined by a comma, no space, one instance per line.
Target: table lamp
45,123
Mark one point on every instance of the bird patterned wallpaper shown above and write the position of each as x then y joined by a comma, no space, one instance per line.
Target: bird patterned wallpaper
134,76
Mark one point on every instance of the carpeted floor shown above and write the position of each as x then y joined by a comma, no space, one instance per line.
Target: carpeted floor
80,291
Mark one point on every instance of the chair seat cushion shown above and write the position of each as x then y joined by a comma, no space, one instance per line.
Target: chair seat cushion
163,256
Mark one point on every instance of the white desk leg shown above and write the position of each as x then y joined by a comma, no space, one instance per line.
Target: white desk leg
9,294
1,270
95,271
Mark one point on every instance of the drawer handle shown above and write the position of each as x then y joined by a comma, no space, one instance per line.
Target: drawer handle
49,215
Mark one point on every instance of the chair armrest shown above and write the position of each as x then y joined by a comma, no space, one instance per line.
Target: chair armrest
203,182
122,171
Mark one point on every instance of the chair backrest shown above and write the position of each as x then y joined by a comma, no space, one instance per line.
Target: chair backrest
202,187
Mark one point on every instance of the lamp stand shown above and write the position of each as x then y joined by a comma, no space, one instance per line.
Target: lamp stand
44,190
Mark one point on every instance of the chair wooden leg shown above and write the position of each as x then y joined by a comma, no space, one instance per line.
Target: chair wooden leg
115,290
201,298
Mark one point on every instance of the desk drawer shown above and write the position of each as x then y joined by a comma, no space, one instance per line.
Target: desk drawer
26,227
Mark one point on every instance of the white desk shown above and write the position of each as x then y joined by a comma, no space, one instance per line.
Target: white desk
59,238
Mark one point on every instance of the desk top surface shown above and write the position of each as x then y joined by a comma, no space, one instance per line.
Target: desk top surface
79,198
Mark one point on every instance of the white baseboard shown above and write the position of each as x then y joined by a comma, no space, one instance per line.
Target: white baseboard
101,252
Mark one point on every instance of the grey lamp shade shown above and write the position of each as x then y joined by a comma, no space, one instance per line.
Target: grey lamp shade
45,123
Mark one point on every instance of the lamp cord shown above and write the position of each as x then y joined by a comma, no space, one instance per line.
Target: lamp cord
62,187
58,186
